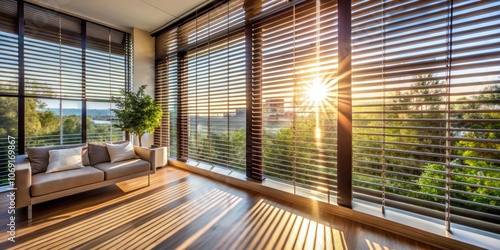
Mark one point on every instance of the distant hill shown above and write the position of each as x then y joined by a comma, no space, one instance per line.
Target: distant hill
78,112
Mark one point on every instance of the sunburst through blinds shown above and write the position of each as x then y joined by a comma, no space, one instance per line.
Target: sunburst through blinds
295,58
425,101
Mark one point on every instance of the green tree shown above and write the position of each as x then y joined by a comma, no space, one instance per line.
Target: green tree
72,124
296,149
237,149
137,113
399,136
474,179
8,116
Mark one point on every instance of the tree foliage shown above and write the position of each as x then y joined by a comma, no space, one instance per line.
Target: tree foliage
8,116
224,149
472,177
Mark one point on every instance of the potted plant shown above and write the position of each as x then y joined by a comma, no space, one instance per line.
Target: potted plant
137,113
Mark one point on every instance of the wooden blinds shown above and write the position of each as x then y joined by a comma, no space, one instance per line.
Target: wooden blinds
408,120
53,54
426,107
9,45
295,96
107,65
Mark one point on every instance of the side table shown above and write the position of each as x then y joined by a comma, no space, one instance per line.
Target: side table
161,155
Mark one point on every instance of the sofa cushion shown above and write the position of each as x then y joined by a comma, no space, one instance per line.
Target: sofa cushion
43,183
64,159
121,152
123,168
85,155
98,153
39,156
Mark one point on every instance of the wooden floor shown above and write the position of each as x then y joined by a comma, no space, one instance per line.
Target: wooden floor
181,210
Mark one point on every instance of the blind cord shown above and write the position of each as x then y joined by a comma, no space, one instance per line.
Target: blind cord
449,39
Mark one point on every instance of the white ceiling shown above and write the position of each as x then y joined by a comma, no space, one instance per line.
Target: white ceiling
147,15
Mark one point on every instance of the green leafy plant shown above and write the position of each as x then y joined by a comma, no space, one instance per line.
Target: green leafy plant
137,113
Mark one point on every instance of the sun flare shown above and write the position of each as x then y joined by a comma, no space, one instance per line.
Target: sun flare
317,91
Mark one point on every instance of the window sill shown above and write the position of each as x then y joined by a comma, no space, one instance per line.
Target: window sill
434,226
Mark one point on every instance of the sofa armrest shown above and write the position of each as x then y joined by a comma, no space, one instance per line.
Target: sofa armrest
147,155
23,181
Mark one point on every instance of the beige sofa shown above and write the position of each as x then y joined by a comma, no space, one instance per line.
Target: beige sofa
34,186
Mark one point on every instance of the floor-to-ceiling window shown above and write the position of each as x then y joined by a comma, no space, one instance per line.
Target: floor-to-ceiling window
107,76
58,76
209,54
297,62
9,75
422,86
426,107
52,77
216,104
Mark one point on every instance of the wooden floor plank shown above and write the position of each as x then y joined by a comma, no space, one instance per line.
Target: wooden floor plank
182,210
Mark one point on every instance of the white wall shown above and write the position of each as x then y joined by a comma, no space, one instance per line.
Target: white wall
144,70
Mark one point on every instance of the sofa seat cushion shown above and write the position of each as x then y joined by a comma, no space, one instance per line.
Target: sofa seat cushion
44,183
113,170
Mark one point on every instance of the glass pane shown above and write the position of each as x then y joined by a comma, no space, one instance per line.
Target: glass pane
43,126
216,103
72,122
116,134
8,128
399,103
8,63
8,47
299,99
475,105
100,119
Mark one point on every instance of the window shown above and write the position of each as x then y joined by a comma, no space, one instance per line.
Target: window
201,69
215,74
215,102
166,90
58,78
296,70
423,96
61,72
425,103
9,69
107,76
53,70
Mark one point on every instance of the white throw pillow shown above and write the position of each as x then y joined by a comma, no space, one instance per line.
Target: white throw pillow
64,159
121,152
